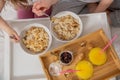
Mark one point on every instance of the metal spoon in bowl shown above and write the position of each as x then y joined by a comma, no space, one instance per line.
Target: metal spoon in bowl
47,15
52,23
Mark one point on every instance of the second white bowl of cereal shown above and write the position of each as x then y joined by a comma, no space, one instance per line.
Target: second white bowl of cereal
36,39
66,26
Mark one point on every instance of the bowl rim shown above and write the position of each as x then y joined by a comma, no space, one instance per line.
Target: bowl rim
64,13
22,33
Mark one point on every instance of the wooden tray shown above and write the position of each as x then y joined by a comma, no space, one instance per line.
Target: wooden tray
97,39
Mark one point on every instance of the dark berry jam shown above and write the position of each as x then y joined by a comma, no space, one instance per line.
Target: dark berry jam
66,57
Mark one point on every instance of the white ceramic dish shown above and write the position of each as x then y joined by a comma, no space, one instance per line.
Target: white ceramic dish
64,13
23,33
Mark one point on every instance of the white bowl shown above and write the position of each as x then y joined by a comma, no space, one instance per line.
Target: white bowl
64,13
23,33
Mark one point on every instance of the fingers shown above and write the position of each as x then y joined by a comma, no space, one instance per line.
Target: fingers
14,37
39,8
37,5
37,12
17,38
34,5
36,9
12,34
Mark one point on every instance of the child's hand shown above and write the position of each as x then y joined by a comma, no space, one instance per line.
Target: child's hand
39,7
13,35
11,32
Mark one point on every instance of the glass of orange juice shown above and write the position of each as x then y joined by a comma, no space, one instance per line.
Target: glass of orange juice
97,56
86,69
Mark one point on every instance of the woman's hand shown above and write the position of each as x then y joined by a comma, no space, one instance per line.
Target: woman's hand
39,7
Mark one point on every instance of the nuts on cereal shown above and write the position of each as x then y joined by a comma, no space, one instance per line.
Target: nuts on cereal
36,39
66,27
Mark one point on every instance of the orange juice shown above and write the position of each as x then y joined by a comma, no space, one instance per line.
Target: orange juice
86,69
97,56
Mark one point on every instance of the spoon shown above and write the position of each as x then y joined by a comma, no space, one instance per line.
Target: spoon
46,15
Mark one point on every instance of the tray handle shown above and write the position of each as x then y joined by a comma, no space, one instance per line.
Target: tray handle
114,56
46,71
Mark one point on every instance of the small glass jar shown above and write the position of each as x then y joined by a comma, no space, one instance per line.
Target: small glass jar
55,68
66,57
